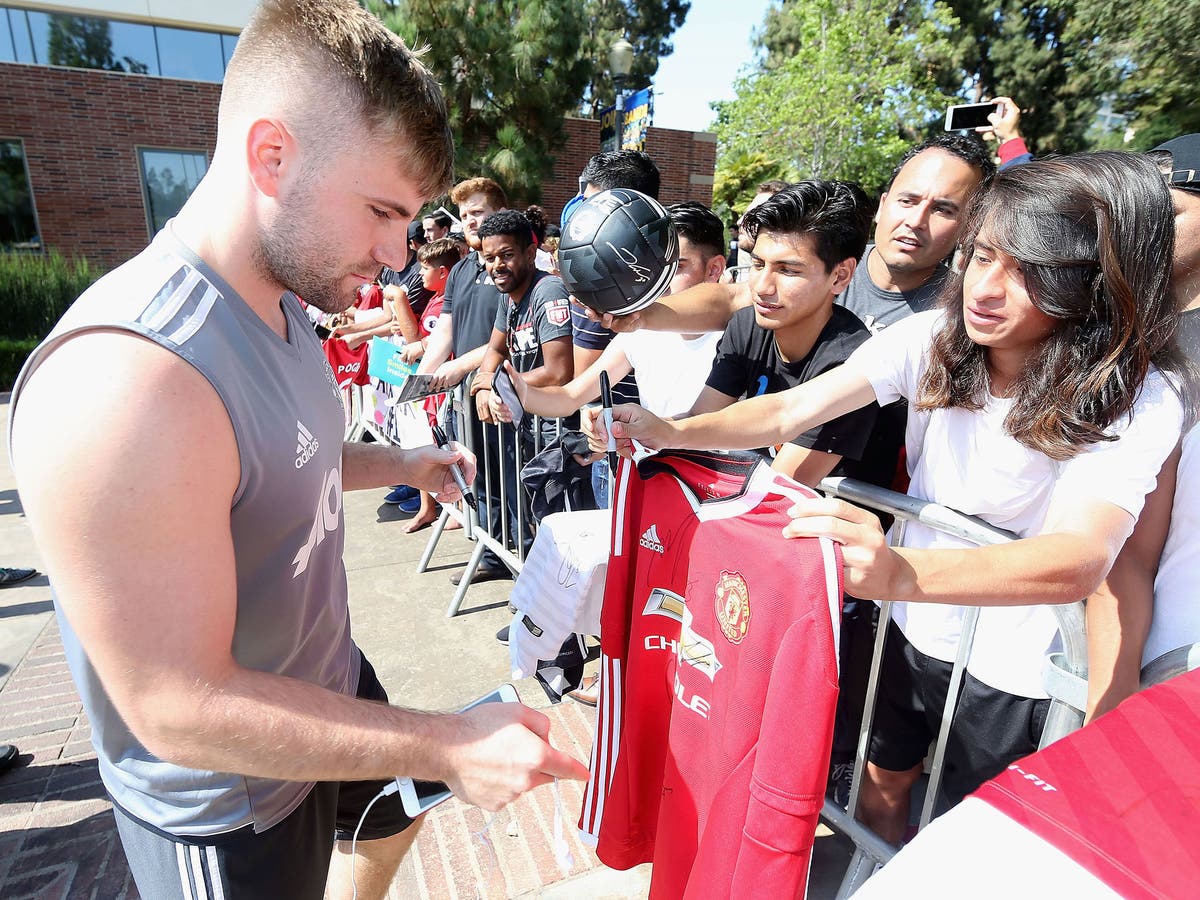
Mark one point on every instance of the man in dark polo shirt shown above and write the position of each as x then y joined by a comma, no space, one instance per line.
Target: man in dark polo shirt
459,340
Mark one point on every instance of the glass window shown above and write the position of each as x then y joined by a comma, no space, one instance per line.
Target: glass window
38,33
19,23
88,42
18,220
8,50
133,48
228,42
195,55
168,179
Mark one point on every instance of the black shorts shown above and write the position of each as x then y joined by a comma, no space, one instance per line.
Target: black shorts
290,859
991,728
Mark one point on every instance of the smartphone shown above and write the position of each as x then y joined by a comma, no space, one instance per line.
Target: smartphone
969,115
503,386
421,796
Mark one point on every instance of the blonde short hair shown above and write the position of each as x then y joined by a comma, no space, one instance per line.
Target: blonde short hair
331,67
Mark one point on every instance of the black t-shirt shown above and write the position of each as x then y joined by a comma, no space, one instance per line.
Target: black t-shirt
472,298
748,364
409,278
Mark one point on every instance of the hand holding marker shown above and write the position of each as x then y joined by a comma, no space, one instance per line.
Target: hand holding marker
607,412
439,437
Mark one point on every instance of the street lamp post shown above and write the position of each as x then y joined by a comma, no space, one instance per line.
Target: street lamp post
620,64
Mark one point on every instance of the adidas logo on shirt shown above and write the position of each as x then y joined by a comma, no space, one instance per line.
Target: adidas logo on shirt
650,541
306,445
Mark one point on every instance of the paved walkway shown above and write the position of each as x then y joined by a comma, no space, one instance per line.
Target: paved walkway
57,838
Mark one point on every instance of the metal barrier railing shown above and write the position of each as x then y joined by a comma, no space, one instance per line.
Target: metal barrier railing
1066,708
501,474
1172,663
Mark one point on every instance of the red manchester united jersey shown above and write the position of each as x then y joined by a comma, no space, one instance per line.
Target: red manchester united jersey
1122,796
718,641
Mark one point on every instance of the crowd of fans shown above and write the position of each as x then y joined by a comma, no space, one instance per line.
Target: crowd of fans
1068,273
1018,344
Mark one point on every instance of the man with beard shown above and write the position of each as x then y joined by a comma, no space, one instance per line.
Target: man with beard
191,518
532,330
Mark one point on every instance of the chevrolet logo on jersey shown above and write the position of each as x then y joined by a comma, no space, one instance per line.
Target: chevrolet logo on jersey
698,652
665,603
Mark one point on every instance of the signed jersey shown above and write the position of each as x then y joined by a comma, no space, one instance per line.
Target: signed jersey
718,642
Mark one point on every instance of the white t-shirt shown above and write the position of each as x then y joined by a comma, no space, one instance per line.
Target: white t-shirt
965,460
1177,586
670,369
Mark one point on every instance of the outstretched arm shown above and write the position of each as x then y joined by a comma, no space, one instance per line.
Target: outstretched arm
131,509
1063,564
555,402
437,345
757,422
704,307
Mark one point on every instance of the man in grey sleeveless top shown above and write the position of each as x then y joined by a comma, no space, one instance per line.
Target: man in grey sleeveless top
191,514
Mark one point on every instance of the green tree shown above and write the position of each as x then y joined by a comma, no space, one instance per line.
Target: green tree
1034,53
510,71
737,180
848,98
647,24
1147,57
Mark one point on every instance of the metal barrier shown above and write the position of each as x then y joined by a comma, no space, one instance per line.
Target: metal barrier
1066,708
496,465
1172,663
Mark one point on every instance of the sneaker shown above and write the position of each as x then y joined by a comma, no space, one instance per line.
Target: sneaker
401,493
588,692
9,756
10,577
483,573
502,635
840,776
411,505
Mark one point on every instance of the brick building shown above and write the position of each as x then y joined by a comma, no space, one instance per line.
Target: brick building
100,159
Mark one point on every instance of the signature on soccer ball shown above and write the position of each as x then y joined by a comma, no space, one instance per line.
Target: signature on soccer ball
642,273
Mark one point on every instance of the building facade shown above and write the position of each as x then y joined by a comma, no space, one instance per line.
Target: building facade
108,121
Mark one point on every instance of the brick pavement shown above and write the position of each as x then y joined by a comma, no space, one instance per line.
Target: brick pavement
58,840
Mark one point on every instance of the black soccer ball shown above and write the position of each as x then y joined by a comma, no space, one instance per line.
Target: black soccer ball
618,251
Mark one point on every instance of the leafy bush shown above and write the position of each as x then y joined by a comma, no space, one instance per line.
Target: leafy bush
12,357
36,290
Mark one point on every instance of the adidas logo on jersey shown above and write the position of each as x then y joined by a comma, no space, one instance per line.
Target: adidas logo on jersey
650,541
306,445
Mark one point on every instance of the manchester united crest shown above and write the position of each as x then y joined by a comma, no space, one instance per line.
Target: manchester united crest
733,606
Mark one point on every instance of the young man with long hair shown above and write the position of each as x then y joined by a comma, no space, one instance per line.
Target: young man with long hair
1045,395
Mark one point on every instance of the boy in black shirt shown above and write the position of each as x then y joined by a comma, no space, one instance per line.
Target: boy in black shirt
807,241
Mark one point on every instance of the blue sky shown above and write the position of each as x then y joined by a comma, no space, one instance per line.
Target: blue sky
710,48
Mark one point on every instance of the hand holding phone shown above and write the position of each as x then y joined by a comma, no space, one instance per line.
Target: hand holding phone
421,796
969,116
496,753
503,388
